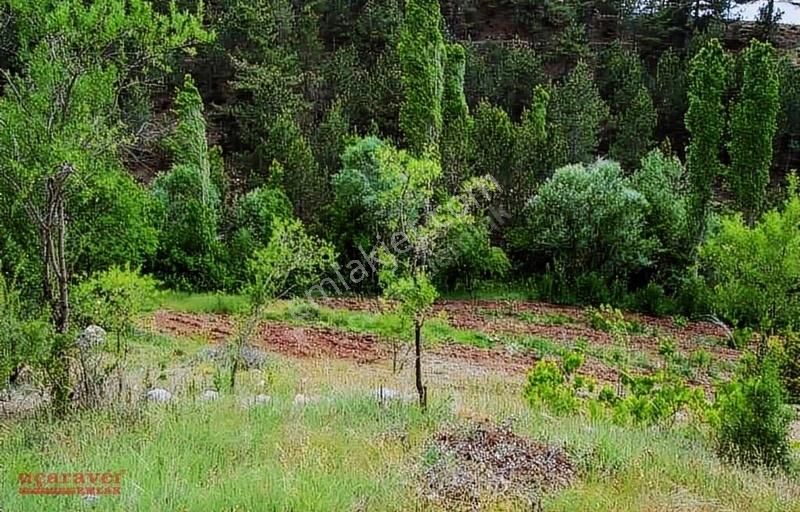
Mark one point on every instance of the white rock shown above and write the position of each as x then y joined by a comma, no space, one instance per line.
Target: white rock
385,395
91,337
159,395
256,400
301,399
209,395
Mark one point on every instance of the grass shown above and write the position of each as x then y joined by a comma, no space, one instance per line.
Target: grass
219,303
345,452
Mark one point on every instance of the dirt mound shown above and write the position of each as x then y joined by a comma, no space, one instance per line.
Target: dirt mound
483,463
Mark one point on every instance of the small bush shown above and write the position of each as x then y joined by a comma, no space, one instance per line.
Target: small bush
113,298
752,423
790,366
608,319
550,385
23,341
755,269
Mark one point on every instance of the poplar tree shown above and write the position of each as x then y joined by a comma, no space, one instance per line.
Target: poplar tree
456,119
421,50
753,126
705,122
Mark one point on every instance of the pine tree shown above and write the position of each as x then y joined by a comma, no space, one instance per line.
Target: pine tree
753,127
530,151
577,114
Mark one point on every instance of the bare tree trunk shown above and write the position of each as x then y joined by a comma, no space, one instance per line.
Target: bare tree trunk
53,230
422,390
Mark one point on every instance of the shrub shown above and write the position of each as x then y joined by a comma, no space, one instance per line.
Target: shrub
113,298
587,219
253,217
752,419
547,387
608,319
291,264
23,341
661,179
467,256
755,270
790,366
188,253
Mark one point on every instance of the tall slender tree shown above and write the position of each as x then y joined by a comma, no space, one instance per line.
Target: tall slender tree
705,122
753,126
456,119
421,50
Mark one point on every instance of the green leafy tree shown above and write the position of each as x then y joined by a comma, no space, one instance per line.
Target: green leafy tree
577,115
61,120
753,126
422,54
254,216
661,179
633,135
669,94
633,116
456,121
290,264
705,122
394,193
587,219
301,178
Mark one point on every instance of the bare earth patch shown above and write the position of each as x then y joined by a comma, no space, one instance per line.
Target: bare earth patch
485,463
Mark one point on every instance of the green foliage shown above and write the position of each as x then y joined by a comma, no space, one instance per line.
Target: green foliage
258,36
189,202
753,127
752,423
669,93
114,298
492,144
634,129
503,73
755,270
253,218
113,222
653,400
609,319
645,400
290,264
661,179
531,152
467,256
705,122
587,219
422,54
301,179
790,366
577,115
633,116
547,386
456,121
23,341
